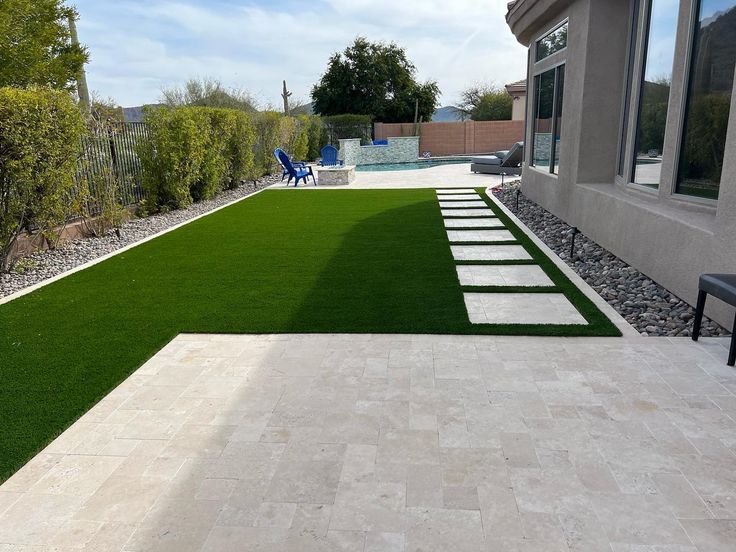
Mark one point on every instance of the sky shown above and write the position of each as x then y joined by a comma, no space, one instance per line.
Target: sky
138,47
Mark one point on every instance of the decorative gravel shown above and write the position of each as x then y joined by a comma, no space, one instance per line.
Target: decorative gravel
645,304
41,265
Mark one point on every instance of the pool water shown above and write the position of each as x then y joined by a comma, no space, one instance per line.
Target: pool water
421,164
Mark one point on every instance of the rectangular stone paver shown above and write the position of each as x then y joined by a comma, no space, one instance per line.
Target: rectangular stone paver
479,235
477,443
447,191
502,275
489,253
472,222
521,308
459,197
461,204
467,213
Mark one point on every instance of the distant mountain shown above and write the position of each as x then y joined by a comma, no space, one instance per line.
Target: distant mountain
134,114
447,114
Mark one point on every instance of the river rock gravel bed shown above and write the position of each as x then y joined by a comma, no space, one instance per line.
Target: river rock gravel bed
646,305
41,265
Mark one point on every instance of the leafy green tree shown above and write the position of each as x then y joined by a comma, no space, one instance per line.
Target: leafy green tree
486,102
208,92
35,45
375,79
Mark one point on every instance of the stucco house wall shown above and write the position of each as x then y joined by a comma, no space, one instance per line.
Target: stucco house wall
670,238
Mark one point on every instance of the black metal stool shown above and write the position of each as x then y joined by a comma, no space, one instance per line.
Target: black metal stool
722,286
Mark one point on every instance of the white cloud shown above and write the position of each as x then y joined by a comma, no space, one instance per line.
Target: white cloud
139,47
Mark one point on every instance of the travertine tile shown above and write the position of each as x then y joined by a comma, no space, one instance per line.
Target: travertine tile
479,222
467,213
462,204
521,308
502,275
489,253
479,236
455,197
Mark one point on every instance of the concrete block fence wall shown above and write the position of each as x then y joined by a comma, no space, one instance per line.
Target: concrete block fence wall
457,138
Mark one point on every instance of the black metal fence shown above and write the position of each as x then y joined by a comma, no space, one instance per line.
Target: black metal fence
109,153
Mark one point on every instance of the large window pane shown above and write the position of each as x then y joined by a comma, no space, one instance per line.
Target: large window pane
544,94
709,99
558,116
655,91
634,22
551,43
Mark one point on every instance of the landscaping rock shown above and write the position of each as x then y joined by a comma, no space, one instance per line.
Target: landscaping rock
41,265
646,305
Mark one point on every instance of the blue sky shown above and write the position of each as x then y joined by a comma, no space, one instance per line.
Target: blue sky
137,47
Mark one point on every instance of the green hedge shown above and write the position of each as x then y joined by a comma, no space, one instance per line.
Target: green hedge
40,137
193,153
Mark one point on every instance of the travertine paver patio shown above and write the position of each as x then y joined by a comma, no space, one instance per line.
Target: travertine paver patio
395,442
461,204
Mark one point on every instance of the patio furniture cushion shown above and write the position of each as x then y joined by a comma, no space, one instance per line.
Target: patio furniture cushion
722,286
486,160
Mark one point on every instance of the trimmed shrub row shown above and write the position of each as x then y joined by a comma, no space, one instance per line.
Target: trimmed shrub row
40,139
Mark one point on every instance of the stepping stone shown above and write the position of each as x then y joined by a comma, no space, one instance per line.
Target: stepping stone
467,213
471,222
462,204
456,191
480,235
489,253
502,275
521,308
460,197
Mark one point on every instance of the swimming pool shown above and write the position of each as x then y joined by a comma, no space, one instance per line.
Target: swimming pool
420,164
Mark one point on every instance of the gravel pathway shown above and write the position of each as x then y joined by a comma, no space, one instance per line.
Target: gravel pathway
645,304
41,265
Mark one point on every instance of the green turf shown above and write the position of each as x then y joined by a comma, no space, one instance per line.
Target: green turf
314,261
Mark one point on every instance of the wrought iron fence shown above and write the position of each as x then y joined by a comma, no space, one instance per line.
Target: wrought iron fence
109,152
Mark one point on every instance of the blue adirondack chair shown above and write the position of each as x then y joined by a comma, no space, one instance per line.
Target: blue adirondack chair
297,173
329,156
285,173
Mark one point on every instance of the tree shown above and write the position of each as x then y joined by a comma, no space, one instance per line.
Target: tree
486,102
36,46
208,92
375,79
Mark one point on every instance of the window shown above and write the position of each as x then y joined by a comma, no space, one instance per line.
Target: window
708,104
548,87
552,42
634,18
654,93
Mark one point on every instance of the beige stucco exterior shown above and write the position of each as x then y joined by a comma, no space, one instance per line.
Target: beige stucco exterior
670,238
517,91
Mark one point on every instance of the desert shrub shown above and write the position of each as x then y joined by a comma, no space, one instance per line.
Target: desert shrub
241,153
172,156
317,138
298,145
40,134
98,203
192,153
267,138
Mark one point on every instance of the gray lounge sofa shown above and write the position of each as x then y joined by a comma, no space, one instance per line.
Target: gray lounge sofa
508,162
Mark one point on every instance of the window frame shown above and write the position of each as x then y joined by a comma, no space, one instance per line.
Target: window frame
545,34
694,18
629,72
554,127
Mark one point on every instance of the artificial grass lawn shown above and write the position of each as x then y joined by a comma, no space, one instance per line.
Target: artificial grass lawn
368,261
